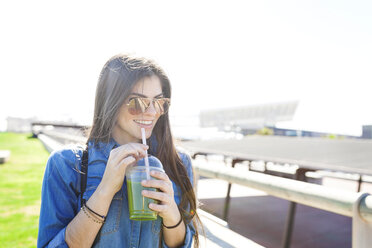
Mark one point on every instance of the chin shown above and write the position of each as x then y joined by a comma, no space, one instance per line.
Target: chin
148,135
139,135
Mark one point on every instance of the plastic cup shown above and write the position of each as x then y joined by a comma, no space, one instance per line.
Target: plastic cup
137,203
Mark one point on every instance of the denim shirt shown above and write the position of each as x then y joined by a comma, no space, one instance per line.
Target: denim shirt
60,202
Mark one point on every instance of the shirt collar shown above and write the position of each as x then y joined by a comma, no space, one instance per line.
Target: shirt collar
104,147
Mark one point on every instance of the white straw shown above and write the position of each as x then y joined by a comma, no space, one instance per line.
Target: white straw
147,164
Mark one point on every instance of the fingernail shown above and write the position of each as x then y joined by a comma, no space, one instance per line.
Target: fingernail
144,182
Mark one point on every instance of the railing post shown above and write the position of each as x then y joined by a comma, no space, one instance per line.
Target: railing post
300,175
359,183
227,200
289,225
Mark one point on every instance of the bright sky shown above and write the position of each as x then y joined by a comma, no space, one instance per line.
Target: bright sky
216,53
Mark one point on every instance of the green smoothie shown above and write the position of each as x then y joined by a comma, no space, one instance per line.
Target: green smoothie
138,204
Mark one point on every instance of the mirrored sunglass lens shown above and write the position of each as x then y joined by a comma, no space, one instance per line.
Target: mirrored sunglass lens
163,105
138,106
158,106
132,106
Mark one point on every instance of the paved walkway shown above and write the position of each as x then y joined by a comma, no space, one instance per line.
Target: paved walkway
261,218
218,235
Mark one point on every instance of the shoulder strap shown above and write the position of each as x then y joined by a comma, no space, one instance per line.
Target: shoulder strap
84,175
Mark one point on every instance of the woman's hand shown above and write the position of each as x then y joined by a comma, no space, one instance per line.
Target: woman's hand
167,208
117,163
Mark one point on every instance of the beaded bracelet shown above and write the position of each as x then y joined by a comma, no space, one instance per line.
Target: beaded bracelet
88,215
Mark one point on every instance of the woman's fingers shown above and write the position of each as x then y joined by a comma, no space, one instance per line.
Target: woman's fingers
134,149
159,184
140,148
158,208
164,184
160,175
126,161
160,196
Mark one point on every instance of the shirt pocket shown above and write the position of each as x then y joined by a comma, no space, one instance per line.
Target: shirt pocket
112,221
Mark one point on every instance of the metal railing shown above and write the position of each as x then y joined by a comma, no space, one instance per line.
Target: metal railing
329,199
65,138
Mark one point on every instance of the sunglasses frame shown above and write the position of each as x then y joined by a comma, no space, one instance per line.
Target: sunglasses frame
152,100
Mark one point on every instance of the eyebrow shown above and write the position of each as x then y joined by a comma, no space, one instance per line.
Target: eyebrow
141,95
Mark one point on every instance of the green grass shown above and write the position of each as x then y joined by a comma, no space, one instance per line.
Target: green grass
20,189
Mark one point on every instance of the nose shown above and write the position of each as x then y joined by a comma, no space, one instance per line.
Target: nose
151,109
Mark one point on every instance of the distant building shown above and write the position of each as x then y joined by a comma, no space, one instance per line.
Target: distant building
304,133
249,119
367,132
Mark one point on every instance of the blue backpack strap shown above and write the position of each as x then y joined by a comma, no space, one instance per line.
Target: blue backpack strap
84,175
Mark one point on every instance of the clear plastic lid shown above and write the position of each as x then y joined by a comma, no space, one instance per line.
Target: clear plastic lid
153,162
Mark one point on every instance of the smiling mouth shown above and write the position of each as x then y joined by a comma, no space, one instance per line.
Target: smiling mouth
143,122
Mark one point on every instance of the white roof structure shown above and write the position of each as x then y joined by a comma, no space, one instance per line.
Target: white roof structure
345,155
249,117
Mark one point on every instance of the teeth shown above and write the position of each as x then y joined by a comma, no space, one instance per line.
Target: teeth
143,122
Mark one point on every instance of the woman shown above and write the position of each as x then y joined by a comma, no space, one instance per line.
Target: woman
132,93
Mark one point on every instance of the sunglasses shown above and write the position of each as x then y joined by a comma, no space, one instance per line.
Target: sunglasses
139,105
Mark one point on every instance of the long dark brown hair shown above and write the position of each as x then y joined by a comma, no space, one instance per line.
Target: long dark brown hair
116,81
